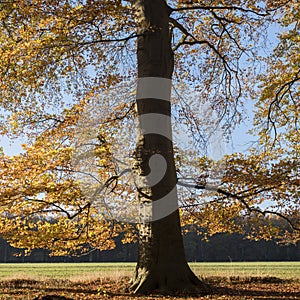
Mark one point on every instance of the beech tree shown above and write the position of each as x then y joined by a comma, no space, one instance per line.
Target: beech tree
57,57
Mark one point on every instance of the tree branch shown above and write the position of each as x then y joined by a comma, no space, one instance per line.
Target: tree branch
202,7
255,209
284,89
115,117
241,199
124,39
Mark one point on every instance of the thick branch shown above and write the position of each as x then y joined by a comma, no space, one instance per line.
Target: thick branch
242,200
284,89
215,50
255,209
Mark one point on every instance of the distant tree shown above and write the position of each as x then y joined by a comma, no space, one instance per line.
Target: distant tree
57,57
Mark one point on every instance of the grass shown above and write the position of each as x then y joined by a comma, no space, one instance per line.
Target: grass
71,271
94,281
284,270
90,271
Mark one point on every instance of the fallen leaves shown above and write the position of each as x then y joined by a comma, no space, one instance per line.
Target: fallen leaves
223,288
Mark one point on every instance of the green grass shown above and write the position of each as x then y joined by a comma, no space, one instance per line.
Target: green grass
85,271
284,270
65,270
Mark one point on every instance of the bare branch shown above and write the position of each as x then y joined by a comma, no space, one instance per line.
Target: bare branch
75,44
215,50
221,21
115,117
284,89
202,7
124,39
176,24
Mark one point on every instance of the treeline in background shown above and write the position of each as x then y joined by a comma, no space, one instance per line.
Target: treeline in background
219,248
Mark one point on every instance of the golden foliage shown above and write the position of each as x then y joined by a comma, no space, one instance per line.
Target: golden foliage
58,56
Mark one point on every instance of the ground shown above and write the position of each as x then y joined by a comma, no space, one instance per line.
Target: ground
224,288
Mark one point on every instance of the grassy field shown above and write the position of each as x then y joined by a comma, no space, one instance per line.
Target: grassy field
95,281
85,271
284,270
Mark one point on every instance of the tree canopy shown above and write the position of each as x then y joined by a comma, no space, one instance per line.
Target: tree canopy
67,79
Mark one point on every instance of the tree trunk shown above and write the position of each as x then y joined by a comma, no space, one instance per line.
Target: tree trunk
161,265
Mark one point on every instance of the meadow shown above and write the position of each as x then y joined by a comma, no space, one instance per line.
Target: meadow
231,280
74,271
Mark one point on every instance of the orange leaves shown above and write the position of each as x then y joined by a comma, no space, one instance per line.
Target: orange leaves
47,50
260,197
60,59
277,110
43,203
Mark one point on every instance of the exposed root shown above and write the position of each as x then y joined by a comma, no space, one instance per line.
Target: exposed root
169,284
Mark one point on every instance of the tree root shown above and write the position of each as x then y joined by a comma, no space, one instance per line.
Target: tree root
169,284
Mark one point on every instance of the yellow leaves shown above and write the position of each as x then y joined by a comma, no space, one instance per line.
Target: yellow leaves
266,181
58,233
52,56
49,51
130,233
277,110
77,8
42,199
215,217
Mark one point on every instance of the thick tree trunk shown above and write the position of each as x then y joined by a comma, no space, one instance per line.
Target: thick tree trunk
161,266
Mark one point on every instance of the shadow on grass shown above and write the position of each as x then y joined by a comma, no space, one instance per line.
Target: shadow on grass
256,288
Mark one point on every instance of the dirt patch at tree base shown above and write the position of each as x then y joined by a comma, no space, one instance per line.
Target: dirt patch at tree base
223,288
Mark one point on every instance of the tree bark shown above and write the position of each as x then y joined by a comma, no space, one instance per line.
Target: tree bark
161,265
